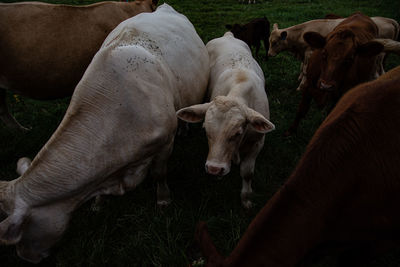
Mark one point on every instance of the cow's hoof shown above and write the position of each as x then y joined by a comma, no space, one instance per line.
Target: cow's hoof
162,204
247,204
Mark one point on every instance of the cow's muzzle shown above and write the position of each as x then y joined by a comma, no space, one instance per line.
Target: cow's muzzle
218,169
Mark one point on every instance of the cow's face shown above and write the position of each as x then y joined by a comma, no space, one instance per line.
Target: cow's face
277,41
340,53
226,122
34,230
43,228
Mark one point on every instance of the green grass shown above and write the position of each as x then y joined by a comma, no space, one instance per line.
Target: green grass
129,230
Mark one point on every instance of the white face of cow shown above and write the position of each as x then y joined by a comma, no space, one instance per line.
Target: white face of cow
42,230
226,122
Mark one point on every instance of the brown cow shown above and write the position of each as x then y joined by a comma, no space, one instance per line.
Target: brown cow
252,33
344,191
48,48
345,58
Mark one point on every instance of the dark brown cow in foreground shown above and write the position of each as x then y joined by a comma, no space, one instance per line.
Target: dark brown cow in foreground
46,48
345,58
345,189
252,33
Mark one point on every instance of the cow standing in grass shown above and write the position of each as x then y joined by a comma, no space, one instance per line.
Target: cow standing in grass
291,39
237,117
344,191
252,33
119,126
343,59
46,48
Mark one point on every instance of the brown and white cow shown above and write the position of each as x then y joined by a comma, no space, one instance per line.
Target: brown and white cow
344,191
291,39
119,126
48,48
237,117
343,59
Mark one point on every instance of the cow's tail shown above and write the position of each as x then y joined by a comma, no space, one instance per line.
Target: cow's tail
206,245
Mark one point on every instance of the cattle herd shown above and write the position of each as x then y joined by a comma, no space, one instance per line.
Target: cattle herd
133,79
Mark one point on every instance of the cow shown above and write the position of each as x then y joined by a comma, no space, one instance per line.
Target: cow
343,192
343,59
48,48
291,39
119,126
252,33
237,117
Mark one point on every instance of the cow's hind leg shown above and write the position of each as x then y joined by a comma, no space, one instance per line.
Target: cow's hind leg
5,115
249,152
158,171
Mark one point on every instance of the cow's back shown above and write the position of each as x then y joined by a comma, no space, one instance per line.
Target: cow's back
228,53
172,41
46,51
362,26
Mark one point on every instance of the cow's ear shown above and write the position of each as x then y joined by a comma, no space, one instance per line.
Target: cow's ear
370,49
283,35
193,113
258,122
228,26
275,26
314,39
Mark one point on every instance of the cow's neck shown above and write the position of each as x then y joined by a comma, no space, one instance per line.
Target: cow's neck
295,39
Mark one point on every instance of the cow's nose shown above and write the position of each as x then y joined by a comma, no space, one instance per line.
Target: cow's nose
214,170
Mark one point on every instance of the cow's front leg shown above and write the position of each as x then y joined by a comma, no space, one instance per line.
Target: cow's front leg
249,155
5,114
158,171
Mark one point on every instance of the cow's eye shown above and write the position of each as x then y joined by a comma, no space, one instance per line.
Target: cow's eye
235,136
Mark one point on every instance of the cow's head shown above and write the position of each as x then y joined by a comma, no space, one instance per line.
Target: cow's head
226,122
340,52
34,230
277,41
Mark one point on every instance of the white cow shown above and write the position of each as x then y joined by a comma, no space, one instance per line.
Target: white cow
119,126
237,117
291,39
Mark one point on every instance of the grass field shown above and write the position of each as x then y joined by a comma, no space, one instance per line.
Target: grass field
129,230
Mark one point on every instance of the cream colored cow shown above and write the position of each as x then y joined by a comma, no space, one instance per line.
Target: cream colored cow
237,117
119,126
291,39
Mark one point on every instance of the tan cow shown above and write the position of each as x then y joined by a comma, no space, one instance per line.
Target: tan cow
119,125
46,48
237,117
291,39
